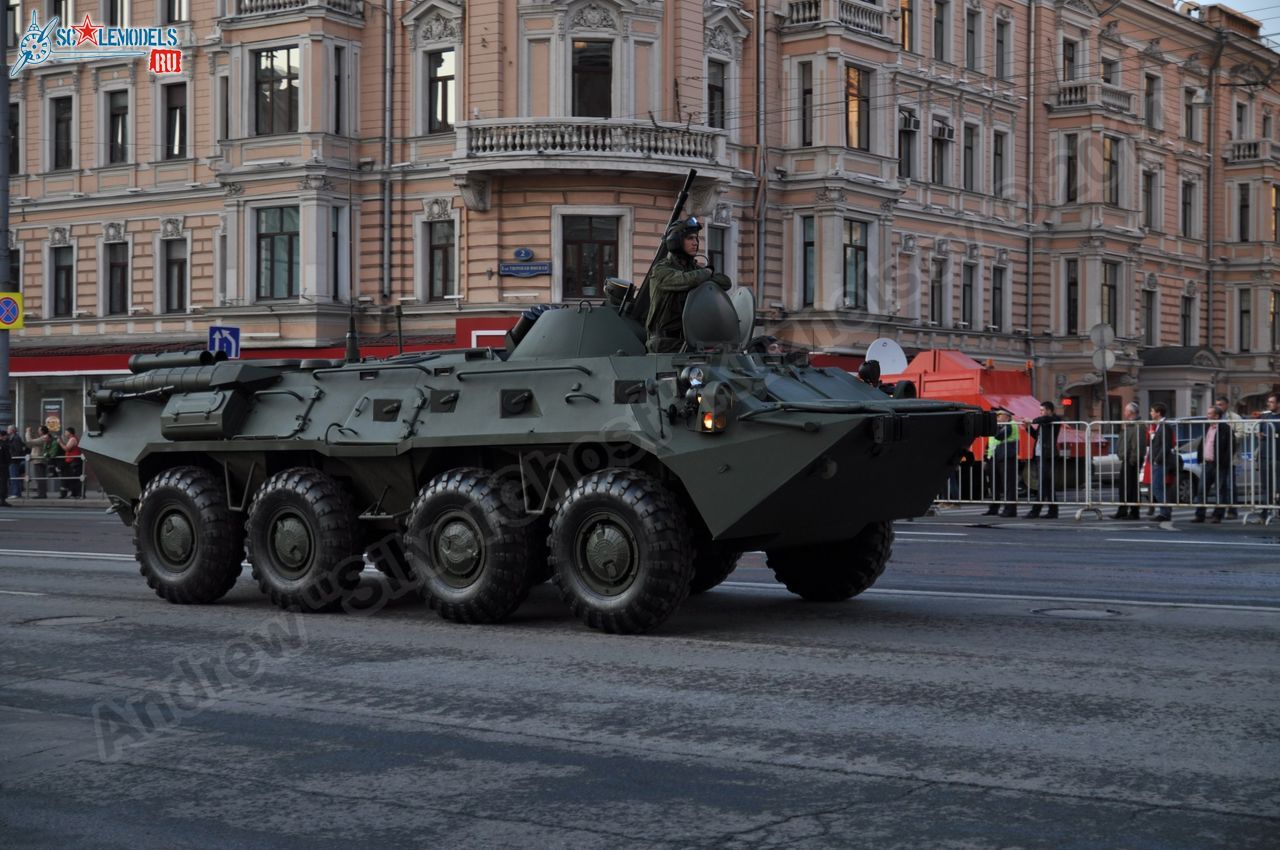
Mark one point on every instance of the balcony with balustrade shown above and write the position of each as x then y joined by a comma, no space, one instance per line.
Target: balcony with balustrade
569,144
1252,152
853,16
241,9
1084,95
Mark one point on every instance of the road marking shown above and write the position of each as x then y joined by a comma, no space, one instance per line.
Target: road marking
1265,609
930,533
20,593
1175,542
87,556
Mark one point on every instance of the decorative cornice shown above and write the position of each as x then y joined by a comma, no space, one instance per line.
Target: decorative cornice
437,27
171,228
438,209
59,237
315,183
593,16
113,231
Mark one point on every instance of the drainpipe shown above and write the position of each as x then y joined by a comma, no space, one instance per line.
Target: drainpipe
762,188
1210,185
388,78
1030,166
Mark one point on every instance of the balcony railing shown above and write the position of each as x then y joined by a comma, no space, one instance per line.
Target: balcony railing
852,15
590,137
355,8
1093,93
1252,150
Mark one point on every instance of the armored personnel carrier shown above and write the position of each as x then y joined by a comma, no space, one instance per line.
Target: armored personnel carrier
632,479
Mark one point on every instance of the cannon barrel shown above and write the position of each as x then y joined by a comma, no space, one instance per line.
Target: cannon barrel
185,379
173,360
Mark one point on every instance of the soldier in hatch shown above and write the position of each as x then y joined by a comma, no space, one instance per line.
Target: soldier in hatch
674,277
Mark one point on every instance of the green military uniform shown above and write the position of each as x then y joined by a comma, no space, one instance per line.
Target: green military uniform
673,278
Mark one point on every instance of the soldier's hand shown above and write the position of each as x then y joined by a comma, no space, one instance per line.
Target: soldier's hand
721,280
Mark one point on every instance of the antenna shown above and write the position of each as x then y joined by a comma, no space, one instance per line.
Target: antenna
353,340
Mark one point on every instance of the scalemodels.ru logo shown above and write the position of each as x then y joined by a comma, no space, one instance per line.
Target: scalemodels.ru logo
39,44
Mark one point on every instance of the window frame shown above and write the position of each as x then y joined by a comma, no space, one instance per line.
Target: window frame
168,263
970,173
1000,163
942,31
1071,168
1244,320
1112,179
56,279
1244,212
969,295
263,101
856,246
1110,294
293,266
450,289
972,39
1003,65
717,105
857,106
1071,296
805,80
1152,102
581,74
938,295
57,144
808,260
116,127
999,285
117,291
175,120
437,85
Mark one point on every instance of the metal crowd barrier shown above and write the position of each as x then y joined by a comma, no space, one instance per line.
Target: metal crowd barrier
42,478
1088,474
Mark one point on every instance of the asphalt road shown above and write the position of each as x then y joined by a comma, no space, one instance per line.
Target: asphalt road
1018,684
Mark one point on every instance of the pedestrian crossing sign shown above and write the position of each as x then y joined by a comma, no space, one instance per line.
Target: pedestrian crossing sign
10,311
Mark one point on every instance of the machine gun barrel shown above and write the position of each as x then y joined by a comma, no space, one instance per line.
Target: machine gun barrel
638,304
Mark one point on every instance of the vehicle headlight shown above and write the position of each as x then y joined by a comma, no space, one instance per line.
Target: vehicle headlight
714,407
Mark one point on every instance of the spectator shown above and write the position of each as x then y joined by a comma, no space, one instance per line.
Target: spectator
1269,451
17,451
72,465
40,446
1215,452
1238,428
1044,431
869,373
4,474
1133,446
1163,450
1002,460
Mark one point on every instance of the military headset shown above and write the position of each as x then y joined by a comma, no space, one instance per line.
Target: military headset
674,237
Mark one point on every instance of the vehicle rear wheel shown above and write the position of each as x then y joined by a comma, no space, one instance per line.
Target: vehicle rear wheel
302,544
833,572
712,564
188,542
622,551
469,550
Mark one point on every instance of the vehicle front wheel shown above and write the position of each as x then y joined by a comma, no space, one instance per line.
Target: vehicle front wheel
621,551
188,542
833,572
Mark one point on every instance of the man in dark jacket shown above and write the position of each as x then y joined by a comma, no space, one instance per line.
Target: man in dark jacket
5,457
1214,453
673,278
1269,451
1132,450
1164,458
1044,431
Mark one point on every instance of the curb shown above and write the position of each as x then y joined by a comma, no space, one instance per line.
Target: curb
55,502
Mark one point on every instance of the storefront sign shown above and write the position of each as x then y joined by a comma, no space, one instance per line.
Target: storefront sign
523,269
51,415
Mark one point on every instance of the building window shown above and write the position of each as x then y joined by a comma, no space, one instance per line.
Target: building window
175,121
278,265
715,248
809,259
15,137
806,104
1111,294
999,178
276,91
442,281
590,254
175,275
11,21
1150,318
339,86
855,264
971,40
1188,208
1073,296
941,30
1246,321
1242,121
1266,126
15,270
1149,200
1071,168
175,11
117,278
937,277
114,13
441,81
968,159
1186,319
906,25
1002,49
63,263
1275,319
715,94
224,107
1068,60
1111,72
1190,117
1111,170
117,127
997,297
1243,211
61,116
1275,212
967,296
857,99
908,125
593,79
1151,102
940,152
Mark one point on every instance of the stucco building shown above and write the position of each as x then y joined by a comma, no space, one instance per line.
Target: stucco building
994,177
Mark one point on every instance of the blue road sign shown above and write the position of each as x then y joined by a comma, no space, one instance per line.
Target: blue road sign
224,338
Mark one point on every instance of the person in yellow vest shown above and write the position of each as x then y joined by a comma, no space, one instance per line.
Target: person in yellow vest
1002,460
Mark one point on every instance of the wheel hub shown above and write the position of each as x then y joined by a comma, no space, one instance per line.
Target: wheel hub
459,550
607,557
176,538
291,543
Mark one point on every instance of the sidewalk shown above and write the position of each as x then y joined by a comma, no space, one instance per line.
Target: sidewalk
92,501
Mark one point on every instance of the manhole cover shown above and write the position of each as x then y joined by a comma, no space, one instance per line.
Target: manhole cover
1078,613
74,620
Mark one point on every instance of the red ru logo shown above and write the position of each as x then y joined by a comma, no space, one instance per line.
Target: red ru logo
165,61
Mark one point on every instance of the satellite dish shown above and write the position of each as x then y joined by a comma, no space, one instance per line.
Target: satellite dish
744,304
1104,358
889,355
709,318
1102,335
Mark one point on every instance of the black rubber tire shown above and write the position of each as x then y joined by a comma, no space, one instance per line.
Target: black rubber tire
833,572
633,516
712,564
509,490
192,498
487,579
320,515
